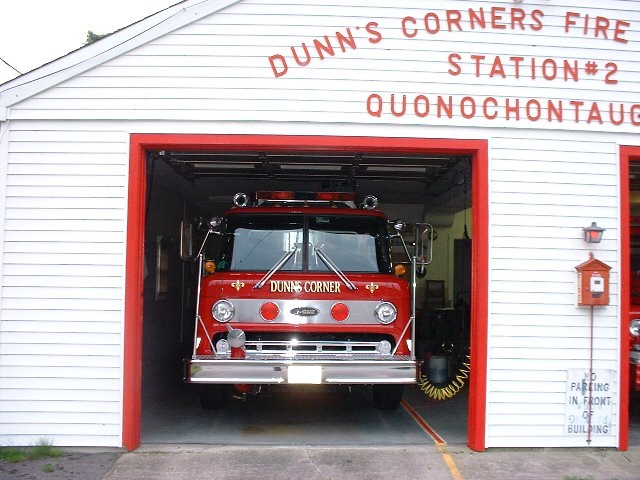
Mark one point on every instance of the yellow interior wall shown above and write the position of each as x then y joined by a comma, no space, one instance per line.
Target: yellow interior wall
441,268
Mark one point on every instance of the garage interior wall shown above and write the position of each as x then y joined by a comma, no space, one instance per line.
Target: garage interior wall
168,326
205,70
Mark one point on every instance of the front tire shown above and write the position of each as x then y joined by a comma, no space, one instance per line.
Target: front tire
387,396
213,397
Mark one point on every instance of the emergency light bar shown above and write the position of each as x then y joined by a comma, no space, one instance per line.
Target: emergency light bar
317,196
292,197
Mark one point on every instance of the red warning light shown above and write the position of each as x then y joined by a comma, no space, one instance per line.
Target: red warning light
340,312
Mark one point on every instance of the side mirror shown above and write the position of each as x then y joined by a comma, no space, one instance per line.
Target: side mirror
399,226
425,235
215,223
208,227
186,240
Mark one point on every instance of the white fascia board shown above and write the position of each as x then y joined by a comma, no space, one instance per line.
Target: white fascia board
118,43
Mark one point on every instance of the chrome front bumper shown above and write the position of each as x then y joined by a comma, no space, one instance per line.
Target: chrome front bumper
358,369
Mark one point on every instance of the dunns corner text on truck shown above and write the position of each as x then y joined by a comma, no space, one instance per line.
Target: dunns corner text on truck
302,289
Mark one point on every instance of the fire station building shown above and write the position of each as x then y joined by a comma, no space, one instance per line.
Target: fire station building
510,126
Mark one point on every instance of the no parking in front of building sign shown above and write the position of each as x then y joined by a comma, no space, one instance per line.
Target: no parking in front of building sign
589,398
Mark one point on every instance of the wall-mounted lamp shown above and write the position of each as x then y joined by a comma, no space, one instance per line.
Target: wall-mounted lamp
593,233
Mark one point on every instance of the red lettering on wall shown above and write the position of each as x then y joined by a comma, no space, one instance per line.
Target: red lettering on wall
549,69
454,58
278,65
517,18
468,107
619,120
403,105
612,68
635,115
374,35
594,114
512,107
453,19
598,27
306,61
497,69
576,104
496,18
508,109
375,105
432,23
534,110
322,48
408,32
485,108
421,111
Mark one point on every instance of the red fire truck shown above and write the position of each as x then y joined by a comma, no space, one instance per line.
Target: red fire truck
302,289
634,320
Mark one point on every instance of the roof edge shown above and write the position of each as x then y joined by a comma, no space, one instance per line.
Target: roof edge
105,49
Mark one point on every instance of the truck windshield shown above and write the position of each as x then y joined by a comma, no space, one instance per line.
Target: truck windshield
352,243
258,242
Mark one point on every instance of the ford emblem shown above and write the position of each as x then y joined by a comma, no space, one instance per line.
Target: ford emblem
305,311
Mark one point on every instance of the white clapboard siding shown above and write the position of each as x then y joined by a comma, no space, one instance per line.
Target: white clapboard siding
226,74
66,186
62,286
538,205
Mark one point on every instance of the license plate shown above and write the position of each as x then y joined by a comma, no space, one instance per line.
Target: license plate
309,374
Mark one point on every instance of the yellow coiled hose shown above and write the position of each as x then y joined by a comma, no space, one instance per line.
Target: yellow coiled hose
443,392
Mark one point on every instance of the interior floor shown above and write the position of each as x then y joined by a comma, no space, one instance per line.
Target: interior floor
308,416
314,416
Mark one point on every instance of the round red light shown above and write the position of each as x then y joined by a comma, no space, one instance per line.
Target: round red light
340,312
269,311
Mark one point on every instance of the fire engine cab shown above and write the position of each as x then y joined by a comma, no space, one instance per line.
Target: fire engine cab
634,320
301,289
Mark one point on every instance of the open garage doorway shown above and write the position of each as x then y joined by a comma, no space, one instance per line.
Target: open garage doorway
175,177
630,291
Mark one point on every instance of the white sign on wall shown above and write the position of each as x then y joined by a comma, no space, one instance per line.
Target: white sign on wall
586,398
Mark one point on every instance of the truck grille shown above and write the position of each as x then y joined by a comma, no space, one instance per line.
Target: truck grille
288,348
306,345
333,350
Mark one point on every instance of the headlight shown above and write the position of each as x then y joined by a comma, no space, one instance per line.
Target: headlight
222,346
634,327
384,347
386,312
223,310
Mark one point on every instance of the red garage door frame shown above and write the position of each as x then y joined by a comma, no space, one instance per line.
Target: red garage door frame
628,154
140,144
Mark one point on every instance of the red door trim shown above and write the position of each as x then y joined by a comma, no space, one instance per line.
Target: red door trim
132,369
141,143
479,300
627,154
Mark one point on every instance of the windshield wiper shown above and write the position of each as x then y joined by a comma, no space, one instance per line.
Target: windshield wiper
279,264
334,268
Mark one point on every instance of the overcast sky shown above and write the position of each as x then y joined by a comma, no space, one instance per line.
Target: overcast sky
35,32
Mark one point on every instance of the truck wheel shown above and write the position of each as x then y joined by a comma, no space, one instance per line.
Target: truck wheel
387,396
213,397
